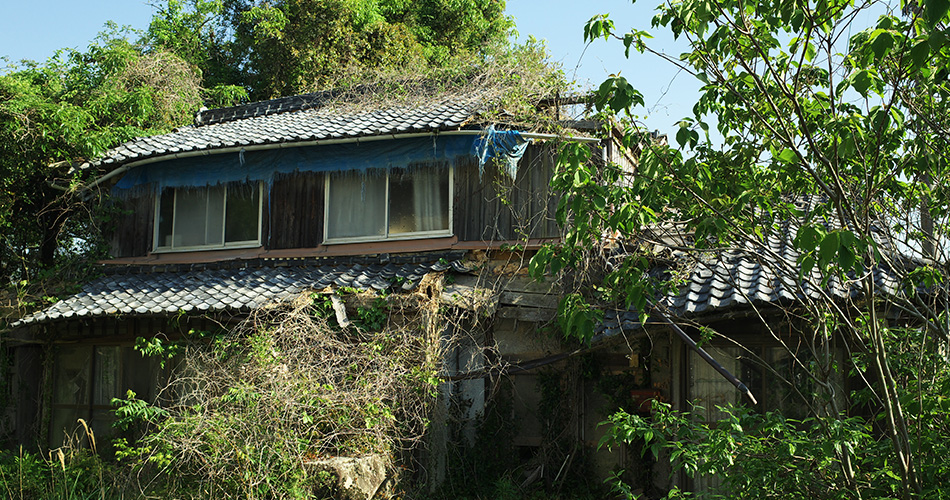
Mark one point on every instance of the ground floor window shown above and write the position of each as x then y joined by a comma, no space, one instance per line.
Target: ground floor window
85,379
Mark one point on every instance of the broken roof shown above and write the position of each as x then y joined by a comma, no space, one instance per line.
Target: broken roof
234,286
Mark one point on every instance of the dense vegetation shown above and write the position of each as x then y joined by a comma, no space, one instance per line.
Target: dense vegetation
807,104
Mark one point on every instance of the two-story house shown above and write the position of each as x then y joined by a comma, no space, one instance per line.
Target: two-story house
255,204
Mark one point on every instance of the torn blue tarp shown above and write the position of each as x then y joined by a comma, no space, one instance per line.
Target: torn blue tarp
262,165
504,147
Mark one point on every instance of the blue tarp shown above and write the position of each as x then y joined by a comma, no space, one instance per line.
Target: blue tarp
505,146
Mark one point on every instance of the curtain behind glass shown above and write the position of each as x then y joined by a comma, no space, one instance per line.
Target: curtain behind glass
418,200
356,204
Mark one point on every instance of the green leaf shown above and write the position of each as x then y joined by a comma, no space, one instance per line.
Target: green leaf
810,52
920,52
935,10
808,263
861,81
682,136
881,42
829,247
599,201
788,156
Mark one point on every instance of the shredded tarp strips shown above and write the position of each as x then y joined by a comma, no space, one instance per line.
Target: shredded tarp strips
505,147
249,166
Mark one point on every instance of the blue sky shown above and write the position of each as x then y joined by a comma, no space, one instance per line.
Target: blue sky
35,29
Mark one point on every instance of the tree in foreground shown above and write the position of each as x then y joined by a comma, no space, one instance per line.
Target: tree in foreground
56,115
837,131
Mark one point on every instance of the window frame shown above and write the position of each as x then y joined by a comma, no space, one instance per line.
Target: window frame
419,235
224,244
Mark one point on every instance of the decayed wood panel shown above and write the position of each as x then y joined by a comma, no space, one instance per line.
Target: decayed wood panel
133,230
492,207
296,211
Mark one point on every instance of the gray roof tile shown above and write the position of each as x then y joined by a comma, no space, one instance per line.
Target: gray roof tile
206,289
294,119
762,274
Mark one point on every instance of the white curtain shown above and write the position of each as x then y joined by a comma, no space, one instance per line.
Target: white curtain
356,204
430,199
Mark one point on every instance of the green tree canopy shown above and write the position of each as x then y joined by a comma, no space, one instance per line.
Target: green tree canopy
56,115
810,105
288,47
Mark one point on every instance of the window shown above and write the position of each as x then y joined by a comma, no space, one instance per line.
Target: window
86,378
389,204
226,215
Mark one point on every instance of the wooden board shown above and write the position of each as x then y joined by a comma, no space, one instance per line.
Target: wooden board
133,231
296,215
490,206
533,314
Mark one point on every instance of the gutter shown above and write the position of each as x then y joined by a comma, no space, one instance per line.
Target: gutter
324,142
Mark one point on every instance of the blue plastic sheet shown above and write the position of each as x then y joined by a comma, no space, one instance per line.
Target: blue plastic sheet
506,147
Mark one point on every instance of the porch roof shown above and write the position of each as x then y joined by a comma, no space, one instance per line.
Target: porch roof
233,286
762,273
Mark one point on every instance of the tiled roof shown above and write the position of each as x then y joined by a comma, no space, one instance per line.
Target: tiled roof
737,279
294,119
764,273
217,288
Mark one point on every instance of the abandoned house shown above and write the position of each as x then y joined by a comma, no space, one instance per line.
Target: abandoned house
258,203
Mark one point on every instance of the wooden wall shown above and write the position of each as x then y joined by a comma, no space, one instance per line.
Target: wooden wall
488,207
296,211
133,232
491,207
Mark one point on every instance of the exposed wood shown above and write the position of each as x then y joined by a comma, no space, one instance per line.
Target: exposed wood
339,308
533,314
492,207
133,229
539,300
531,285
470,298
296,211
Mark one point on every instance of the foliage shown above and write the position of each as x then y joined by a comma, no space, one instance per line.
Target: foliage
828,129
256,408
57,114
73,471
767,455
288,47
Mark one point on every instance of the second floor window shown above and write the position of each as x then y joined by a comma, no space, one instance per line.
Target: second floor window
226,215
389,204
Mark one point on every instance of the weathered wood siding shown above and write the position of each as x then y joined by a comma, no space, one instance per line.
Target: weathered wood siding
492,207
296,211
488,207
133,233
